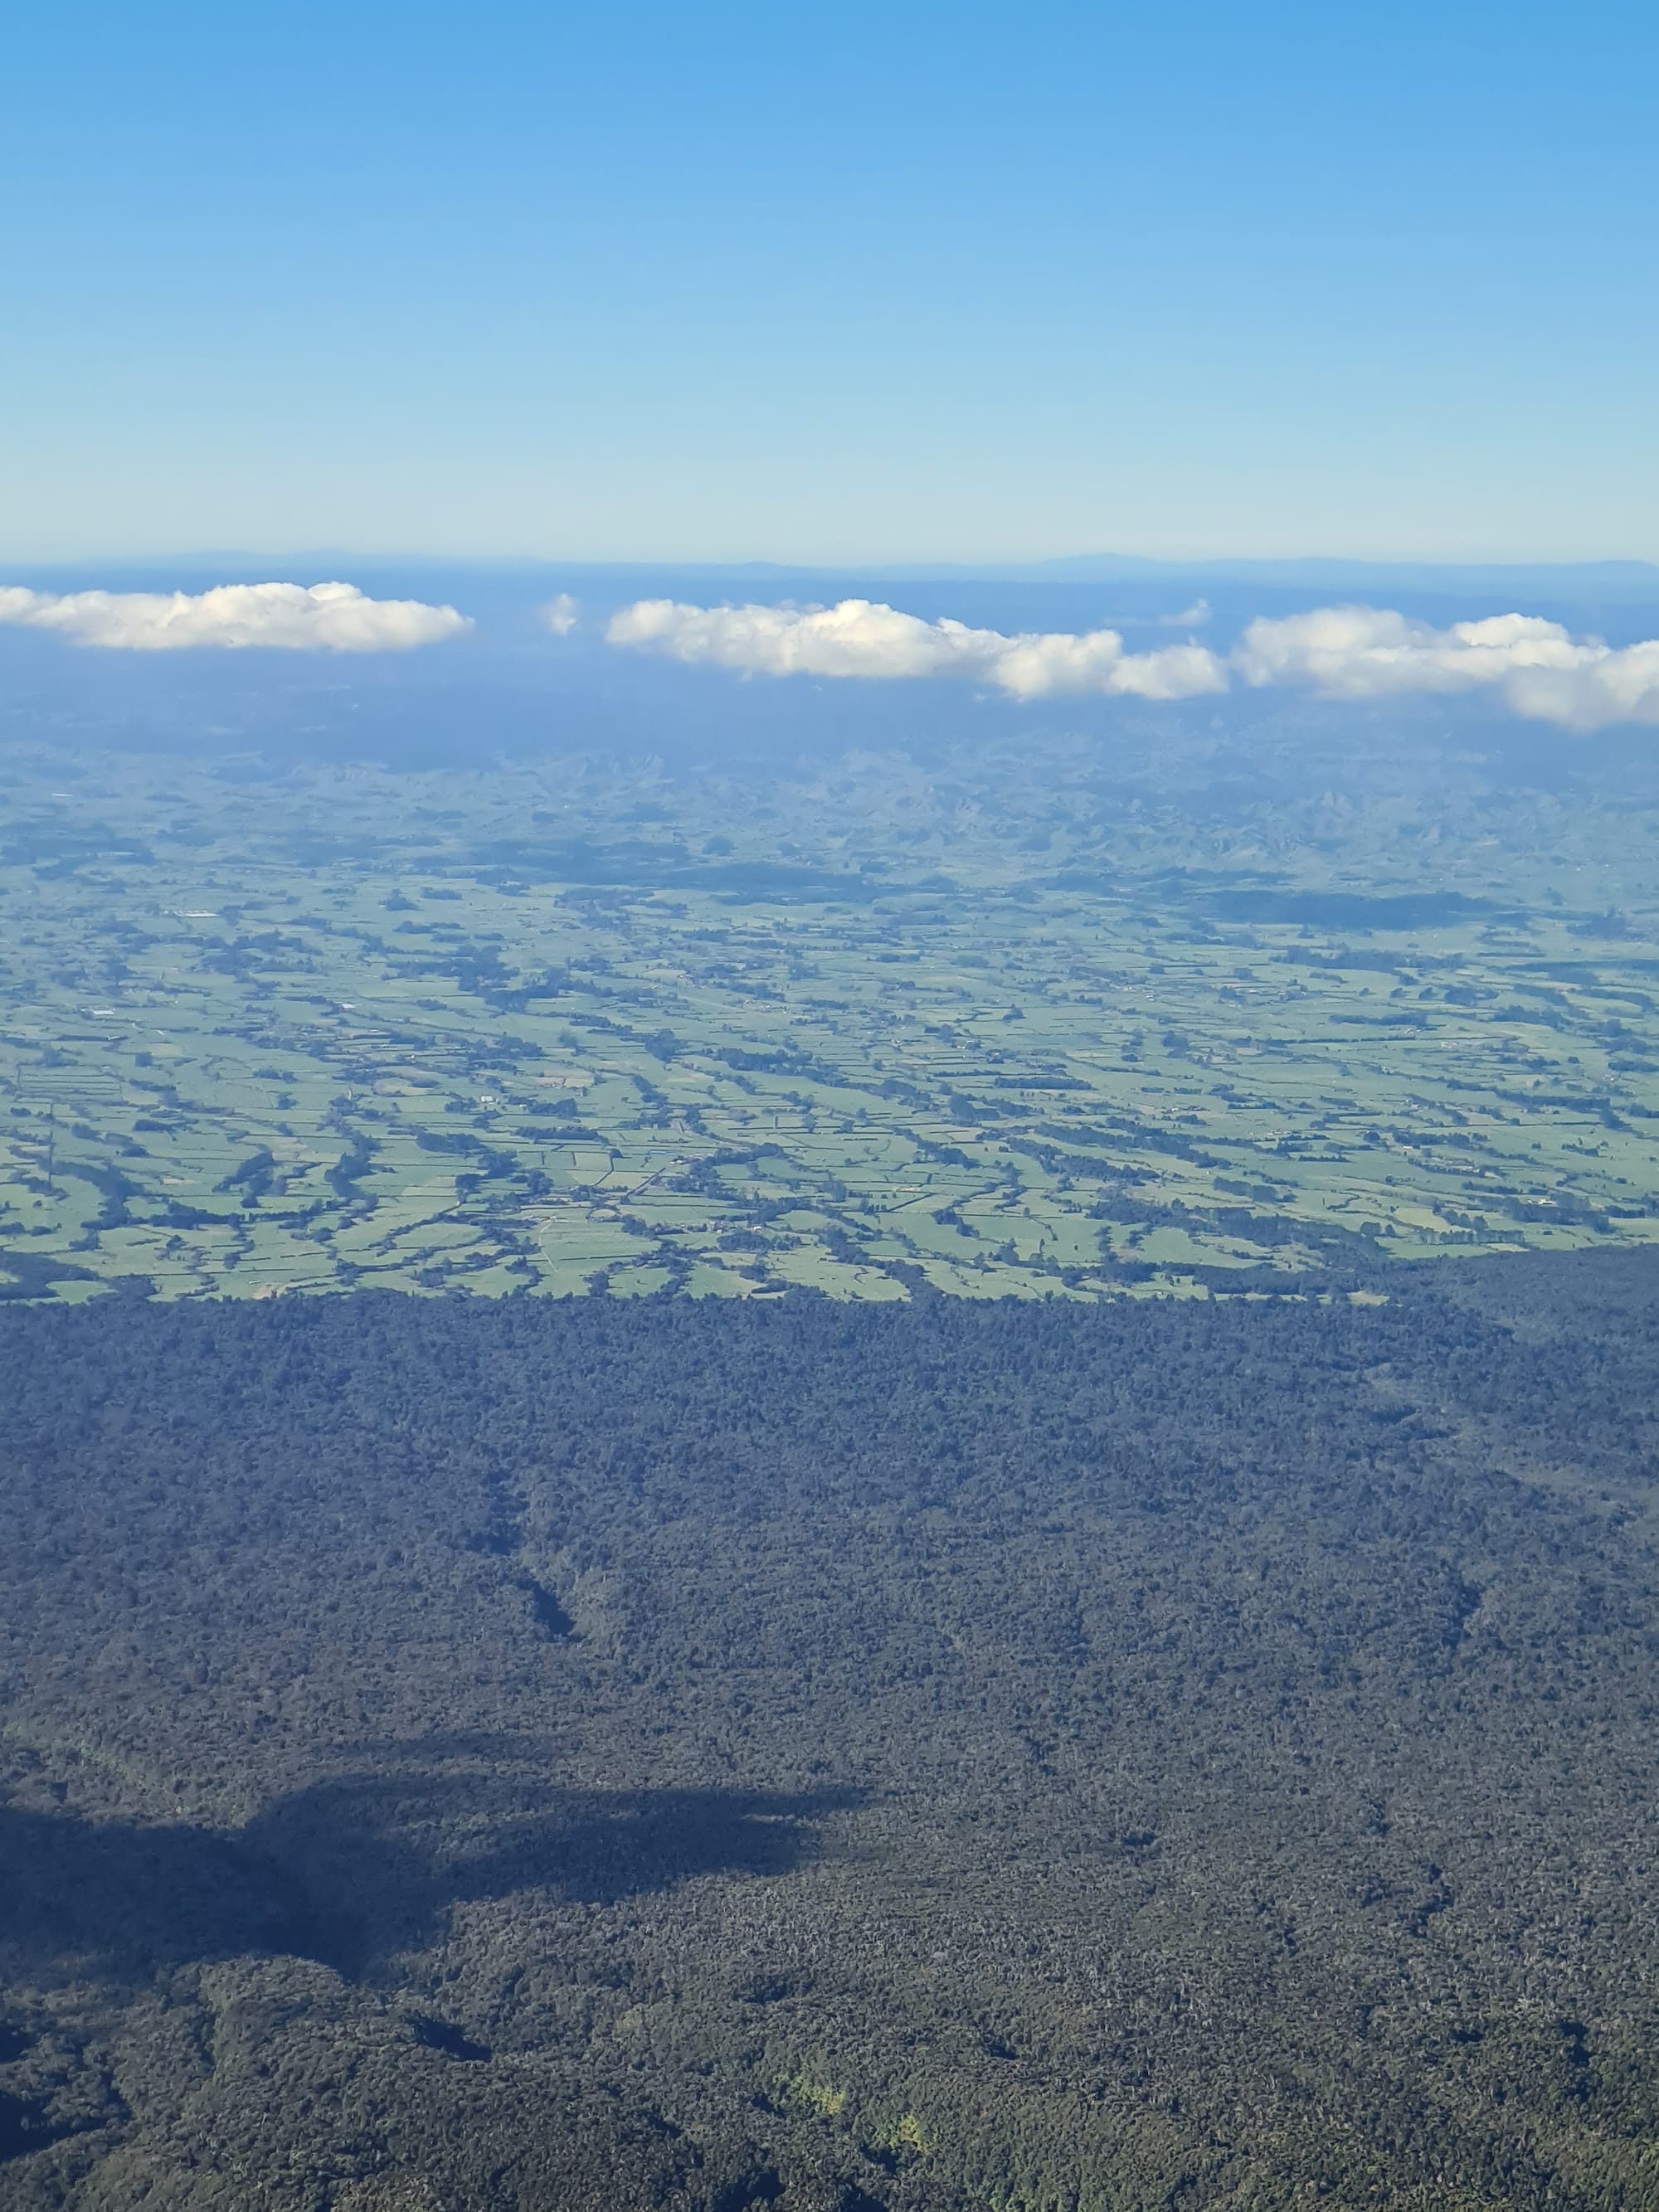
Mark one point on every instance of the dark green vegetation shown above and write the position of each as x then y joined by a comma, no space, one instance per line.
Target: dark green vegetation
1157,1012
504,1755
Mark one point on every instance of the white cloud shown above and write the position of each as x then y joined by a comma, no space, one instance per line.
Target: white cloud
856,638
1538,668
865,638
316,618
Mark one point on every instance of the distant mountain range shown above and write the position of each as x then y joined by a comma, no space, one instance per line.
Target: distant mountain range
1578,583
1598,580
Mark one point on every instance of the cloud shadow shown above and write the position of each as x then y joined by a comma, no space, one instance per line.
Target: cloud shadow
357,1866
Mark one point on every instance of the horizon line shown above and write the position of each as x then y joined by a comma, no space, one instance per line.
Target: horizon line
1056,568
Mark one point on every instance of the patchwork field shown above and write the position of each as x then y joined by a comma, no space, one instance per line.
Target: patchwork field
1012,1027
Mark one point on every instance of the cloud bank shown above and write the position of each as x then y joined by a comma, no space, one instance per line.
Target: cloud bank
1537,668
863,638
297,617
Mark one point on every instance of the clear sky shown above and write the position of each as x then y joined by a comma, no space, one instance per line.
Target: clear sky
831,284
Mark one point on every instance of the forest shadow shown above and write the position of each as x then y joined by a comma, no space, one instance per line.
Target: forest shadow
349,1870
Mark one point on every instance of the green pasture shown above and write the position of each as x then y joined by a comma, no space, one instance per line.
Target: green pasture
379,1029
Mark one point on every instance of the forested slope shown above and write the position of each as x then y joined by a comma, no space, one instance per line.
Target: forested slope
529,1755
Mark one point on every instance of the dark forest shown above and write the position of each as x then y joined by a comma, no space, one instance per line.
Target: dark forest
1038,1756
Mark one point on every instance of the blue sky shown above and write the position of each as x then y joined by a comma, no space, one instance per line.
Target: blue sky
831,285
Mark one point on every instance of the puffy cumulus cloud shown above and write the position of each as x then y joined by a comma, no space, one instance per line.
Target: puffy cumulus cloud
562,615
1620,686
1045,664
865,638
859,637
1537,667
1367,653
298,618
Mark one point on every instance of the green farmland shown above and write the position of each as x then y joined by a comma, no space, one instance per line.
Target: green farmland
1003,1028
